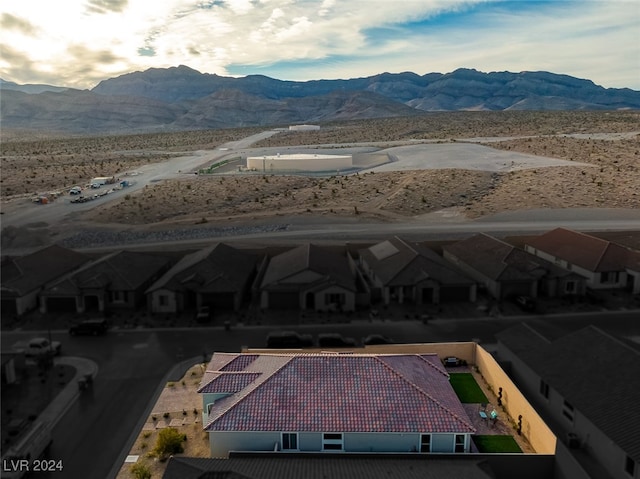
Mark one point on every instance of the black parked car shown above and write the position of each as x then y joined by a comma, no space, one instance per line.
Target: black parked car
90,327
288,339
334,340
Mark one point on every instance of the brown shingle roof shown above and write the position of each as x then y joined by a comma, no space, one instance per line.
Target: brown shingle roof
586,251
397,262
594,371
217,268
294,466
39,268
501,261
327,264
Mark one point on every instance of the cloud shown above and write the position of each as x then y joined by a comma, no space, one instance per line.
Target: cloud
302,39
105,6
11,22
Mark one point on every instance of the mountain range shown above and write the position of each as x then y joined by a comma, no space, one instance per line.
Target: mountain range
180,98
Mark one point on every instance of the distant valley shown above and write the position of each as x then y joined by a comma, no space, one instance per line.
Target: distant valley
180,98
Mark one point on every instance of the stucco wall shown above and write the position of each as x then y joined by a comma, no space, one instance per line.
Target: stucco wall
515,403
170,307
300,162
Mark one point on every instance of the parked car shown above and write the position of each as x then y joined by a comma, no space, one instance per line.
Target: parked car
377,339
526,303
203,315
41,346
288,339
90,327
335,340
76,190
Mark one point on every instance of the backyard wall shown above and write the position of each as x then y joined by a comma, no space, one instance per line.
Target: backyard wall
514,403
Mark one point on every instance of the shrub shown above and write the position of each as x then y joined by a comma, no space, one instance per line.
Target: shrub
169,442
140,471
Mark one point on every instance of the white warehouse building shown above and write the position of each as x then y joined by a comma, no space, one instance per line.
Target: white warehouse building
304,127
299,162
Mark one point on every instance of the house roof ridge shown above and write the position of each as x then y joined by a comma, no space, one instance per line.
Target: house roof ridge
239,397
423,392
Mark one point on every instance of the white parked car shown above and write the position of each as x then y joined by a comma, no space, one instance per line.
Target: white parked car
41,346
76,190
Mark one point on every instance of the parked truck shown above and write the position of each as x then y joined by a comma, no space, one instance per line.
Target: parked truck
26,453
102,180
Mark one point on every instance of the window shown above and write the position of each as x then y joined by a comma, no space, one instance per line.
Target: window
459,443
334,298
544,389
609,277
289,441
163,300
120,296
425,443
567,411
332,441
570,287
209,408
630,466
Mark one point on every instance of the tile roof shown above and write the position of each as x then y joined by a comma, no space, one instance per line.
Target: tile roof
229,382
217,268
326,266
501,261
397,262
288,466
586,251
344,393
596,372
37,269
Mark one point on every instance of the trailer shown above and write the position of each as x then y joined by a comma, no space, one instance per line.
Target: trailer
103,180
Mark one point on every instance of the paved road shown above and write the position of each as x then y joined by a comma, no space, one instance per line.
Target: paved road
29,213
96,432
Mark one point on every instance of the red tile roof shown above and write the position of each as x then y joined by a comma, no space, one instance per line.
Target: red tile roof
589,252
343,393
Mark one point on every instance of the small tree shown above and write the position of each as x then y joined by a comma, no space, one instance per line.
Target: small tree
169,442
140,471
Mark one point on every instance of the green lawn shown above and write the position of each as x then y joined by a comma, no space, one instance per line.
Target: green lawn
499,444
467,388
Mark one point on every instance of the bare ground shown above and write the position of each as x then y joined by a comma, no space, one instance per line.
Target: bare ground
612,180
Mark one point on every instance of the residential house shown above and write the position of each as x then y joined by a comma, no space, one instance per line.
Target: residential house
287,466
24,278
507,271
603,263
218,276
328,402
116,281
587,385
410,272
309,277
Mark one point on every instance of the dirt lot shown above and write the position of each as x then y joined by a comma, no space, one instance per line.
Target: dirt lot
611,181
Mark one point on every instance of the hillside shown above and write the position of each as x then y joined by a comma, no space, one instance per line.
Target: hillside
181,98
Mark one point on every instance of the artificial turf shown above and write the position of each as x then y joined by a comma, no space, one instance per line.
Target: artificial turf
467,388
496,444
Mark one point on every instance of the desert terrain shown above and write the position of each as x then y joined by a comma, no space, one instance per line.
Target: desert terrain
586,160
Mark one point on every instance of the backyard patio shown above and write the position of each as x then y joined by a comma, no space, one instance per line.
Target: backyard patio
496,432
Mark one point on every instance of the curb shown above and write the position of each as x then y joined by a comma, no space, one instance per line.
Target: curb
174,373
67,397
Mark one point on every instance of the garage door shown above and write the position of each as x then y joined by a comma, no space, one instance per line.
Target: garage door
61,305
284,301
454,293
218,301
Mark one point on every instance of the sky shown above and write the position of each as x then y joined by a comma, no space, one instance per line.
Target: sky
78,43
